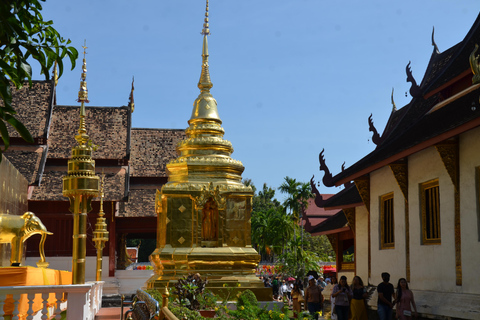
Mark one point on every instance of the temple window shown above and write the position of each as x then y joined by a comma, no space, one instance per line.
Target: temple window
430,208
387,225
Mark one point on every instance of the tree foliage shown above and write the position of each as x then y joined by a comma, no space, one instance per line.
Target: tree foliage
25,35
276,232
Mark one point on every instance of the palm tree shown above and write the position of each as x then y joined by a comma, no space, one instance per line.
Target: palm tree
290,187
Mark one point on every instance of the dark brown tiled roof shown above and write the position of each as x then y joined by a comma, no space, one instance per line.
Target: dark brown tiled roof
33,107
422,127
337,221
453,61
107,127
51,186
29,163
152,149
141,203
344,198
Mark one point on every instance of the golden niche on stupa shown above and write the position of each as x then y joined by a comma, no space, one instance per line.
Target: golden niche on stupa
204,208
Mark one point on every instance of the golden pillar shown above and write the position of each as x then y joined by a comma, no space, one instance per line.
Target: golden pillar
204,208
100,235
81,185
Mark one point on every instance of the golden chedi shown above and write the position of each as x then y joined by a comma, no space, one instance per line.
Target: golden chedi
204,208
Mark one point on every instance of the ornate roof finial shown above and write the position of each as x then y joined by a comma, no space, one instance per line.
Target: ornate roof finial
131,102
435,48
475,65
394,107
55,73
82,136
415,90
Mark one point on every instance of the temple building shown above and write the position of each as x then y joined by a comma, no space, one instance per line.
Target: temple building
133,160
419,212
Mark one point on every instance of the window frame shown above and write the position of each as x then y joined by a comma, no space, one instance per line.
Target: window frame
387,245
435,218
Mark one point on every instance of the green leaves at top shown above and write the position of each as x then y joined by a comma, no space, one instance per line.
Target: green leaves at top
24,34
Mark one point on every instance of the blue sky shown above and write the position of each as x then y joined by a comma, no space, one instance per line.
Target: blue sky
290,76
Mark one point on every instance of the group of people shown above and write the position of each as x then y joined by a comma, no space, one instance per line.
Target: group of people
347,302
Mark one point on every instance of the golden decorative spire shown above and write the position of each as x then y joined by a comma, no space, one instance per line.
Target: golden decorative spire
100,235
131,102
205,106
102,195
82,136
55,73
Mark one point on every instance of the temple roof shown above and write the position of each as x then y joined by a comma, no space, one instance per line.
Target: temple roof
346,198
414,127
34,108
30,162
152,149
108,127
332,225
314,215
141,204
51,187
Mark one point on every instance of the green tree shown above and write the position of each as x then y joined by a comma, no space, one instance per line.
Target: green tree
24,35
321,246
296,260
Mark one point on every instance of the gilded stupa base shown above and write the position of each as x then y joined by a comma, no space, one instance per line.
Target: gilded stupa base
229,270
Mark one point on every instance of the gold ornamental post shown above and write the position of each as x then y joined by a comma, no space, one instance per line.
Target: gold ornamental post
100,235
81,185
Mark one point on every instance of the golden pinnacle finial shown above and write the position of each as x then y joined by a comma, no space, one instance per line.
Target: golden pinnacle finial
82,136
83,93
206,30
205,84
131,102
55,73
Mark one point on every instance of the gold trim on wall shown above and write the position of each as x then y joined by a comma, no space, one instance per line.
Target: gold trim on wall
449,153
363,187
400,172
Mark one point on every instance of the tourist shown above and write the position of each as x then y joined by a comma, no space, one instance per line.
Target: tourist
297,298
275,287
289,292
358,306
385,293
321,283
282,292
405,301
313,298
342,294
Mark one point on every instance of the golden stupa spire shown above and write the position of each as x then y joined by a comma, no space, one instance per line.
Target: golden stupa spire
82,136
205,106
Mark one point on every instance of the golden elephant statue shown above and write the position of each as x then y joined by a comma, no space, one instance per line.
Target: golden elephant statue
17,229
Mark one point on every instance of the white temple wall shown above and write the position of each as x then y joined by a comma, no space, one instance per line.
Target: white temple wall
432,266
361,243
469,209
392,260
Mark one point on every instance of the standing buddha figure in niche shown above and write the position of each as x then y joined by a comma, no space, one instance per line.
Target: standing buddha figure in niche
209,221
